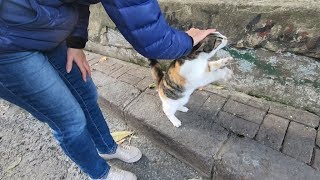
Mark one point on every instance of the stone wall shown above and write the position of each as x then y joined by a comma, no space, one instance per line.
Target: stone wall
268,24
279,27
105,39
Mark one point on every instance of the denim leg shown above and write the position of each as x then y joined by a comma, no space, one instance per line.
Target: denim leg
87,97
28,80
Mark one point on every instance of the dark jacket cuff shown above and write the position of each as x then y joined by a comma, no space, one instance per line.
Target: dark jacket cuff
191,40
76,42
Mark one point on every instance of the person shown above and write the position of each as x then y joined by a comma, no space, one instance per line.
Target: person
43,69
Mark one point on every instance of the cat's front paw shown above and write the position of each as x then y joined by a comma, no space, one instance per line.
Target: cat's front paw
226,61
228,74
176,123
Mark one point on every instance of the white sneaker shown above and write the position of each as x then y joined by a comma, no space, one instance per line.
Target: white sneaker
119,174
128,154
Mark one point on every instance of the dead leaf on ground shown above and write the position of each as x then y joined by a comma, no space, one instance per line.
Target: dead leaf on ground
8,170
132,137
121,141
152,86
218,87
121,136
104,58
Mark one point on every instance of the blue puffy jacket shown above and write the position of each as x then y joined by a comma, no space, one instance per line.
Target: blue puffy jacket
43,24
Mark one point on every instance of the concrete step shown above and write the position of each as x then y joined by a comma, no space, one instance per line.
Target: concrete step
225,135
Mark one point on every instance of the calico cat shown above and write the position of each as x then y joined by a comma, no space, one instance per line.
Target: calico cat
183,77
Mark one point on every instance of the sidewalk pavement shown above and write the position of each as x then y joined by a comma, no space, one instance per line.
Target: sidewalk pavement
225,134
29,151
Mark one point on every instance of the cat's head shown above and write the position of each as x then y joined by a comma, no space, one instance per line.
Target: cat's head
211,42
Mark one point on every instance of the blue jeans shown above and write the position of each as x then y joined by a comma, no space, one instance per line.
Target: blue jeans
38,82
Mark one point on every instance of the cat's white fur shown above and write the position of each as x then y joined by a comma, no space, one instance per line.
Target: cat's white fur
196,74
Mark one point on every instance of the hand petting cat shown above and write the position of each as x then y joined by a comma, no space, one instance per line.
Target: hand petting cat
198,35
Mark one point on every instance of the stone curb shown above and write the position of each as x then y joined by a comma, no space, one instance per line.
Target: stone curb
204,141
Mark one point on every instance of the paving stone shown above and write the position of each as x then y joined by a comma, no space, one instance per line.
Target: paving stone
116,94
102,67
297,115
272,131
212,106
217,90
153,92
93,62
299,142
144,83
140,72
316,163
130,79
195,142
120,71
246,159
116,67
92,56
252,101
318,138
244,111
113,61
237,125
196,100
107,67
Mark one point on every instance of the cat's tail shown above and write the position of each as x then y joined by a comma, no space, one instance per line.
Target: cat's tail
156,71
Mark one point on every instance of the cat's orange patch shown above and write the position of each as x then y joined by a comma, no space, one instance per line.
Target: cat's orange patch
175,76
161,93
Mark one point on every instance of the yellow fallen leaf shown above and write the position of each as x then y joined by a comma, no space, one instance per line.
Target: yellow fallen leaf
8,170
104,58
152,86
218,87
121,141
120,135
132,137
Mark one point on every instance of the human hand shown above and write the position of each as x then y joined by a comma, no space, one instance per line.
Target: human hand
78,56
198,34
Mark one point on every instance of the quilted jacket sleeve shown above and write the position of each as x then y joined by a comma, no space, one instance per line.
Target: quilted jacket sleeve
79,36
143,25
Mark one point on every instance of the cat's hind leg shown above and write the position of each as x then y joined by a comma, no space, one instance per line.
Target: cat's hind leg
170,109
183,109
182,102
